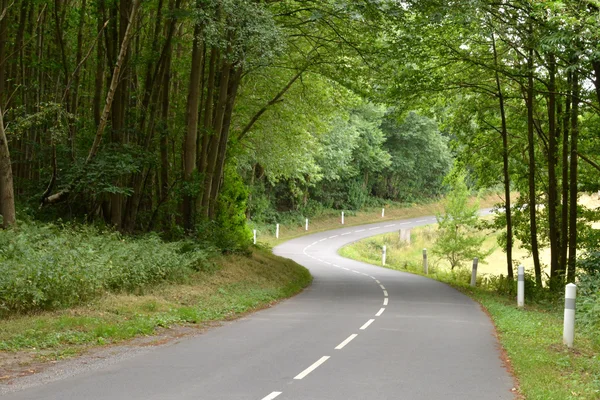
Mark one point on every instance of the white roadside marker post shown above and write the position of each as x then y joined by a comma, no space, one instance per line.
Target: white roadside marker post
277,232
474,272
521,287
342,218
254,236
569,323
306,226
383,256
425,263
382,212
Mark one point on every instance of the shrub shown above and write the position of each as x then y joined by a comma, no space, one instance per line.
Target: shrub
44,266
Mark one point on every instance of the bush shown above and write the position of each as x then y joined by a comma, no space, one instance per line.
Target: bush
44,266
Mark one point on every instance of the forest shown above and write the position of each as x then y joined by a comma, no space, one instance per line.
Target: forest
189,118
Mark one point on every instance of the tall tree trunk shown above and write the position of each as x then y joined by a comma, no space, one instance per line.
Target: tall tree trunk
213,147
552,178
573,180
99,76
7,197
3,41
191,136
231,96
77,74
564,219
532,191
505,169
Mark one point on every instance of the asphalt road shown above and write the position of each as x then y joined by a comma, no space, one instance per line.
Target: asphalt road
359,332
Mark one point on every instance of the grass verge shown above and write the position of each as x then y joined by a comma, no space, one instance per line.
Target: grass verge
331,219
238,285
532,337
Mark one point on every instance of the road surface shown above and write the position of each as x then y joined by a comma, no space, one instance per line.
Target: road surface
359,332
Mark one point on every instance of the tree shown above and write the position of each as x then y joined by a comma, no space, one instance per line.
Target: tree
458,240
7,198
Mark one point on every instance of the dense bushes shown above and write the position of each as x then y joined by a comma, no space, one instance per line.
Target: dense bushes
47,267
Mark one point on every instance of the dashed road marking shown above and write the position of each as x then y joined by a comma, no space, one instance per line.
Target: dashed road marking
347,233
345,342
356,272
334,236
360,230
322,239
385,301
312,367
382,287
377,227
271,396
345,268
377,280
389,226
381,310
366,325
385,293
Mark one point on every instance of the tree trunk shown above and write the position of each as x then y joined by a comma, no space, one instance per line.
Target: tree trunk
564,219
189,147
213,148
532,191
3,41
7,197
555,274
505,169
573,181
231,96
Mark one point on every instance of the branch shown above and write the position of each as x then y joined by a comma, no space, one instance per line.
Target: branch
274,100
592,163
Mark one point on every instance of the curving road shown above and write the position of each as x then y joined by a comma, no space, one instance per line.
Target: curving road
359,332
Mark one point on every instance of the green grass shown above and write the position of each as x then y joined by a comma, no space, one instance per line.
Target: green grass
532,337
332,219
240,284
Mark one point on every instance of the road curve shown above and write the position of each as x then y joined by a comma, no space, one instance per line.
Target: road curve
359,332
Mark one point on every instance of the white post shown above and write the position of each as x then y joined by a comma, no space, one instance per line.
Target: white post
474,272
254,236
277,232
521,287
383,256
425,263
342,218
382,212
306,226
569,323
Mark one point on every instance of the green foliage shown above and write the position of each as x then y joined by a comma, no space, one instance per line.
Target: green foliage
45,267
231,233
458,240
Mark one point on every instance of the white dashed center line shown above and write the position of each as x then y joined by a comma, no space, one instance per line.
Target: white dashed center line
347,233
389,226
334,236
271,396
360,230
377,227
381,310
366,325
385,301
312,367
385,293
345,342
382,287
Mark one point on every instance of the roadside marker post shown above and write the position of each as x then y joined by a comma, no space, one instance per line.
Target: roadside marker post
569,323
474,272
382,212
342,218
254,236
425,263
277,232
306,226
521,287
383,256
